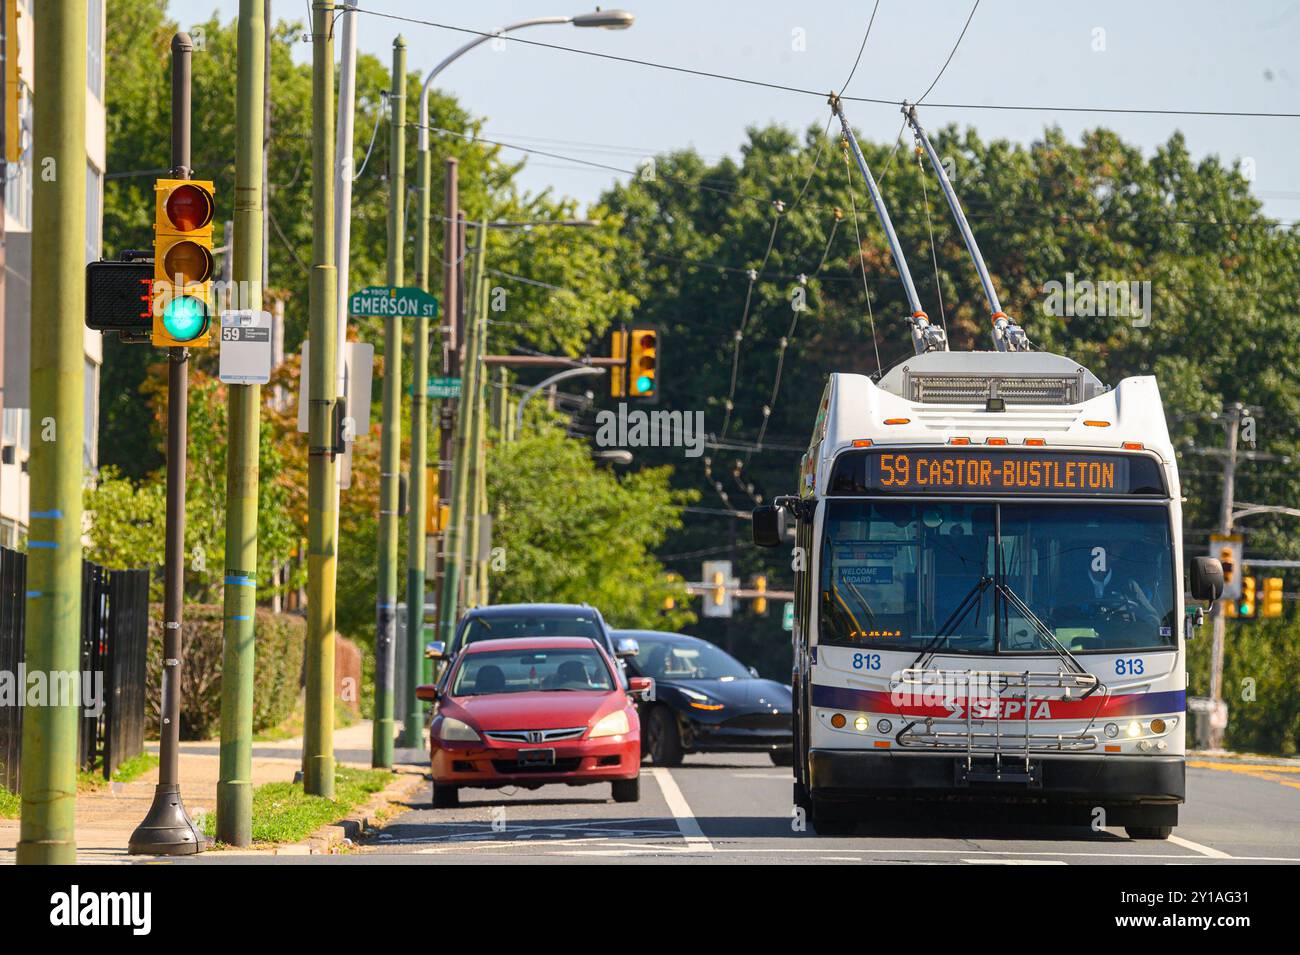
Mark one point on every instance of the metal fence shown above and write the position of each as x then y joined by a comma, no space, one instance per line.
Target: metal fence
114,635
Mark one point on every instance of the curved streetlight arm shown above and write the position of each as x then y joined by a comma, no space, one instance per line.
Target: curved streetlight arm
478,40
547,382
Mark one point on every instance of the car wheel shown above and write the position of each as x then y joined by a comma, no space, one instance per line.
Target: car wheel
665,738
783,756
1149,832
445,797
627,790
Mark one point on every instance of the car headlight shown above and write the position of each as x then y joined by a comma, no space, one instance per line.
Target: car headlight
457,731
612,724
693,694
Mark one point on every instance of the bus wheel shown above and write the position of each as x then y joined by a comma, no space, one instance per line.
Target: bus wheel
1149,832
831,825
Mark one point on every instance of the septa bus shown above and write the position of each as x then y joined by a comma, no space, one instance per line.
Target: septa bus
989,600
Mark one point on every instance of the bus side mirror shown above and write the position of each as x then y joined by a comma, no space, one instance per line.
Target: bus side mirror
769,525
1207,578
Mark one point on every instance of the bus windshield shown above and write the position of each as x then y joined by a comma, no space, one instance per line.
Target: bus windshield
961,576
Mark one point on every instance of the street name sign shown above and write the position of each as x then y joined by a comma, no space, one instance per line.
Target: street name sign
444,387
383,301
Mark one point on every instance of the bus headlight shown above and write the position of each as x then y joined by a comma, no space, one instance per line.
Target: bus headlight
1111,730
861,724
1134,729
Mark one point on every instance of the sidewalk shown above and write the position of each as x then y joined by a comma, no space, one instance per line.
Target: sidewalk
107,817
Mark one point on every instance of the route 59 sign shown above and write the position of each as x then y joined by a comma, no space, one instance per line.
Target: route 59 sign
245,347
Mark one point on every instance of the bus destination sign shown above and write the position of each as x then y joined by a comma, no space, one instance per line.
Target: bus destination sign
943,471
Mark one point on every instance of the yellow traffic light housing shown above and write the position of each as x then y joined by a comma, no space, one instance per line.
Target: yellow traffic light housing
183,263
618,373
1272,605
1246,605
719,593
643,364
760,602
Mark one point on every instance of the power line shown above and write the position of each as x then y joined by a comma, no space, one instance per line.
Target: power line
860,49
951,54
748,81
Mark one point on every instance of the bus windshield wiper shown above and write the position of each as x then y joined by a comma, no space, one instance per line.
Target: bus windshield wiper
1055,645
972,599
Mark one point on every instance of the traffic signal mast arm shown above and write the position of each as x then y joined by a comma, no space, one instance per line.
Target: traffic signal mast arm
1007,335
925,337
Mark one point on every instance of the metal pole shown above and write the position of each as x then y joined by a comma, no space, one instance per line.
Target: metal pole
1211,737
451,269
244,402
548,382
322,473
413,723
390,461
455,536
343,175
167,829
484,533
49,754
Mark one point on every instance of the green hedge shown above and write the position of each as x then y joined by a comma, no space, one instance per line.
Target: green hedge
277,674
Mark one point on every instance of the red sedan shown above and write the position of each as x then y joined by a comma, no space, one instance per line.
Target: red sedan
532,711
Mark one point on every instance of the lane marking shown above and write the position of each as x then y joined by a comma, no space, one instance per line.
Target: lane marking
681,810
1013,861
1254,770
762,776
1197,847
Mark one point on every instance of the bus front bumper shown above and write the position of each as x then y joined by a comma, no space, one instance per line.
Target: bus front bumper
1079,781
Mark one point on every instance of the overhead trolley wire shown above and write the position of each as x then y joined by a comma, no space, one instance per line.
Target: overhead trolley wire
764,84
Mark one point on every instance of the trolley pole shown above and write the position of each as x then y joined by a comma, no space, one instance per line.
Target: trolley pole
323,436
49,755
167,829
244,402
390,443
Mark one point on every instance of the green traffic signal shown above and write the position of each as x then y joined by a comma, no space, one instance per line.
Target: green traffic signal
644,385
185,318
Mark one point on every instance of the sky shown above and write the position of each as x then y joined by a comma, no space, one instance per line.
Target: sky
1155,54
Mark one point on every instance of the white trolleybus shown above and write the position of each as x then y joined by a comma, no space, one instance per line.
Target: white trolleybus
989,587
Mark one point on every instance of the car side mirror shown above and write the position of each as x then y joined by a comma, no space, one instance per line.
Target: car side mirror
1207,578
642,686
437,650
427,692
768,525
753,671
626,647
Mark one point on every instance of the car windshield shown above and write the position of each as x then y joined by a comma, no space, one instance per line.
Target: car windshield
509,626
686,659
961,576
513,671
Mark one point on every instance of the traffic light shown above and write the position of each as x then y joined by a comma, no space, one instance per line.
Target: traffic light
719,593
1229,569
618,373
1246,605
183,263
643,364
1272,606
760,602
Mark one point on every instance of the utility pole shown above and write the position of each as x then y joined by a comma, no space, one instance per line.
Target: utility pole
451,271
49,755
244,403
167,829
322,473
1211,735
456,530
390,461
413,724
484,534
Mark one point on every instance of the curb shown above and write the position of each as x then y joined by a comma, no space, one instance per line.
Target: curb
1242,759
327,839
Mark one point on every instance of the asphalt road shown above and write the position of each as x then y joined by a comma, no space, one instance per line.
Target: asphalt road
736,809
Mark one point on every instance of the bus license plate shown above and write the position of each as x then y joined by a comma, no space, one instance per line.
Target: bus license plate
537,757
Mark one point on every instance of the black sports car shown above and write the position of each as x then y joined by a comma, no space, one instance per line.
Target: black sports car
706,701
